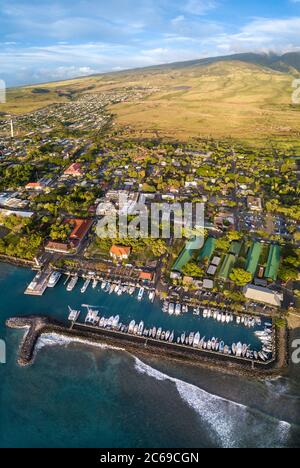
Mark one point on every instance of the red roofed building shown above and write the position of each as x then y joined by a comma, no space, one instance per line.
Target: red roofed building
119,252
147,277
59,247
80,228
34,186
74,170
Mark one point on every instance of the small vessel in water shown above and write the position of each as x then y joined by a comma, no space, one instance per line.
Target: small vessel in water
158,334
72,283
191,338
95,283
54,279
85,286
171,338
73,314
178,309
152,296
182,338
171,309
196,340
116,321
167,336
131,326
141,294
141,328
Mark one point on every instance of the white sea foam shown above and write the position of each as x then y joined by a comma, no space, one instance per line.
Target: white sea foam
55,339
223,417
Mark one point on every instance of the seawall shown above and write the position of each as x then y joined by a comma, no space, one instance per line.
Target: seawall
38,326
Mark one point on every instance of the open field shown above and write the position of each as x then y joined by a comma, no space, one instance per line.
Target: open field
222,99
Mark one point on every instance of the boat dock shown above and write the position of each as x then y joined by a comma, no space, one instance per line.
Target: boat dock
139,345
39,284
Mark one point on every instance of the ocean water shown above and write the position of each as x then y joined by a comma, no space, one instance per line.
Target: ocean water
77,395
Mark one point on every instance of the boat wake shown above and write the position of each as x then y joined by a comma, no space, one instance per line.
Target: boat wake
231,423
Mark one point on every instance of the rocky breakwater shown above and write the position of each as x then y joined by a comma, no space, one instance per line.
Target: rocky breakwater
35,326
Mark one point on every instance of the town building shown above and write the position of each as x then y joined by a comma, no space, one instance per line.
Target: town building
119,252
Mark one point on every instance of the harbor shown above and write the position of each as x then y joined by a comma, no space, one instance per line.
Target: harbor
133,310
38,326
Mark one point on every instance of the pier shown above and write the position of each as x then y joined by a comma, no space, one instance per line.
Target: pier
138,345
39,284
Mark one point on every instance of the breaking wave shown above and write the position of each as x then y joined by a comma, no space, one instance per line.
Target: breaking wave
55,339
231,423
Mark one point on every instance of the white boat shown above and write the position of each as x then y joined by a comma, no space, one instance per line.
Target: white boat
101,322
171,338
168,333
141,328
131,326
136,330
191,338
54,279
72,283
233,347
131,290
154,331
185,309
85,286
196,339
112,288
158,334
178,309
171,309
152,296
95,283
219,317
116,321
103,285
205,313
182,338
238,319
141,294
117,288
239,349
107,287
73,314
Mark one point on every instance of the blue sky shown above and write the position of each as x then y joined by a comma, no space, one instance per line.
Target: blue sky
57,39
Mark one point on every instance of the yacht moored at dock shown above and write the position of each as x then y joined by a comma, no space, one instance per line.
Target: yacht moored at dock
54,279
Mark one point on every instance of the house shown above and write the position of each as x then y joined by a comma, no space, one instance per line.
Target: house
57,247
263,295
119,252
254,203
75,170
80,228
146,277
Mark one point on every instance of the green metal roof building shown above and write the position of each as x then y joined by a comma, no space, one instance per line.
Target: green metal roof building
208,249
273,262
187,254
253,258
227,267
235,248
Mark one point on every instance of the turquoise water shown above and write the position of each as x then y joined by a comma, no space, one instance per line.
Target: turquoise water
79,396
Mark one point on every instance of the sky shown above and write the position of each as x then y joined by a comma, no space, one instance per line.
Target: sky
59,39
